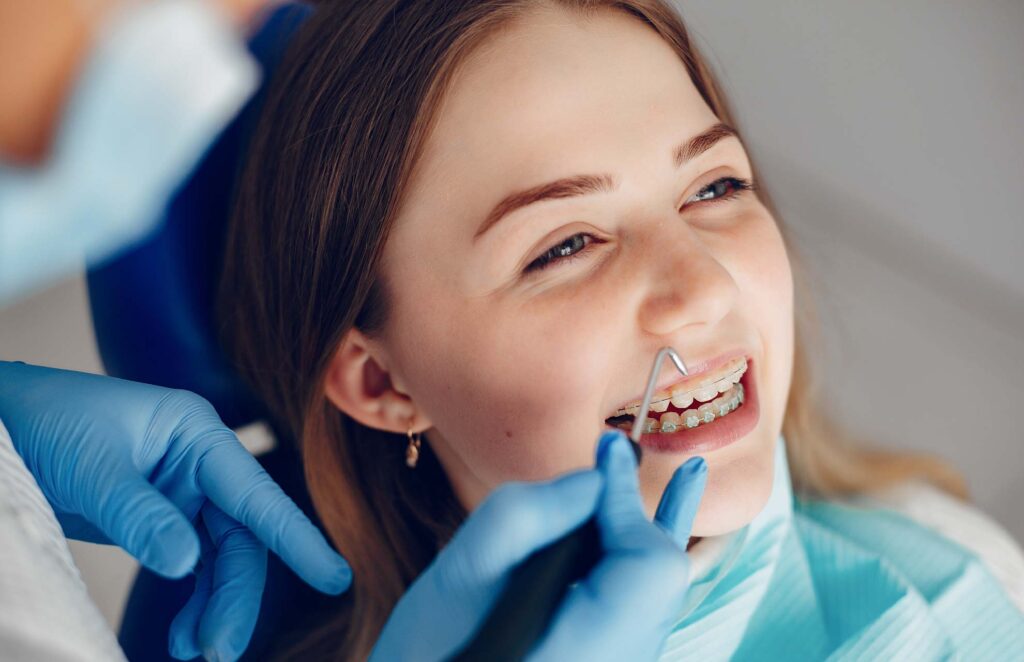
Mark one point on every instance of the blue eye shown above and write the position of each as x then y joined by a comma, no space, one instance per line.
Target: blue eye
722,189
566,249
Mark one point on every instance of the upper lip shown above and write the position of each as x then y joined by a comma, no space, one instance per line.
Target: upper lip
697,370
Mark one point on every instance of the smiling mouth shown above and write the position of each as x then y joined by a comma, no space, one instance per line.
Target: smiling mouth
690,404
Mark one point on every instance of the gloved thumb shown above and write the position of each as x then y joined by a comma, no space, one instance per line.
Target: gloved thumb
449,600
681,499
138,518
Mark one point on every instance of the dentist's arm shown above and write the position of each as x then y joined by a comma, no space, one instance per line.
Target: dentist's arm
156,472
624,609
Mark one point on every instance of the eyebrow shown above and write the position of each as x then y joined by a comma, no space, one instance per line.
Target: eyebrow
578,185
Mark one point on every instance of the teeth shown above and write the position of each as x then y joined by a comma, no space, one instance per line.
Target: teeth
706,392
670,422
682,400
706,412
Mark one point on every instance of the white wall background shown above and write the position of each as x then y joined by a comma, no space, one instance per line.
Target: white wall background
891,137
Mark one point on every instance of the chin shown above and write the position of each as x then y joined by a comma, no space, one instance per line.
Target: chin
735,494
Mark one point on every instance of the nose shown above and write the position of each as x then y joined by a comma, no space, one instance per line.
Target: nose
689,285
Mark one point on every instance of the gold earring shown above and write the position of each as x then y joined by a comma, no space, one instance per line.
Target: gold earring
412,451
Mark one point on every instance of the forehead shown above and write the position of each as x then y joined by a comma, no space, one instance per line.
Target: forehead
556,93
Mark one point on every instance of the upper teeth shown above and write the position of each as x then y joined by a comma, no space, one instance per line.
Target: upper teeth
705,391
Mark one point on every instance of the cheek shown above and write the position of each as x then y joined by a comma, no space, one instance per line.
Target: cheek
765,278
761,266
508,409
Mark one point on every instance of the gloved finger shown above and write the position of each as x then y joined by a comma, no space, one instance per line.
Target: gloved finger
635,591
620,513
136,517
239,574
680,500
518,519
452,596
233,480
183,638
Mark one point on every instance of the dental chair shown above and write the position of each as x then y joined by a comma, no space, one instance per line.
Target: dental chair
152,309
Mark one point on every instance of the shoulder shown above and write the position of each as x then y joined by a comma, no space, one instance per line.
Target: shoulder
961,523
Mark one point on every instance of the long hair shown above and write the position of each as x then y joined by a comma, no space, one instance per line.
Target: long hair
345,121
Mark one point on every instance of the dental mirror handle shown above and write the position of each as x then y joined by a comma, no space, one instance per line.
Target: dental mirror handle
536,588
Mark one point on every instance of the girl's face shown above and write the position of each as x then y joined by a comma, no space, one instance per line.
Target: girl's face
517,337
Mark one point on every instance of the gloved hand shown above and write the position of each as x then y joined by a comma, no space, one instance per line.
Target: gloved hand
137,465
623,610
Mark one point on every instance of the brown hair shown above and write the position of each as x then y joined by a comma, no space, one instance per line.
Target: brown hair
345,121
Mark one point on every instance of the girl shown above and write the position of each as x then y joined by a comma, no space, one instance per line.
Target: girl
465,229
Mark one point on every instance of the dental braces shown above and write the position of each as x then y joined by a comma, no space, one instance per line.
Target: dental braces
652,380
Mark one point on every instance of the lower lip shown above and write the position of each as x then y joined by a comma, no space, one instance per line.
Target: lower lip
719,433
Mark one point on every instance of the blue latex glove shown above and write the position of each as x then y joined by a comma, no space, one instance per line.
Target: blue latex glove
138,465
623,610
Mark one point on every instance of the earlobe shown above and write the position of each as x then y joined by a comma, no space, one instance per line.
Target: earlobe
358,384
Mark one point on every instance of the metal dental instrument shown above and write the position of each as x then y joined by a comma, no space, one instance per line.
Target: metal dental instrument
645,405
521,614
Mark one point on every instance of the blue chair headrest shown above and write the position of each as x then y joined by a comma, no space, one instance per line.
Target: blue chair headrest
153,304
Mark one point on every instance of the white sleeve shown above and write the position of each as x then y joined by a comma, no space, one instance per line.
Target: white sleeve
45,611
963,524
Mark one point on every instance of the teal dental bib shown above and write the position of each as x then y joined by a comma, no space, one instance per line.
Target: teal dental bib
820,580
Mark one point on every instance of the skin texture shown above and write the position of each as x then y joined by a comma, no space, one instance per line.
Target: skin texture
510,375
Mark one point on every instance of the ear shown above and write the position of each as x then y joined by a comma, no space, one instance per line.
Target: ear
359,384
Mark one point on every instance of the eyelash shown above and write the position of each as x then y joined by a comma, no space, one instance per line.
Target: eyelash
557,253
